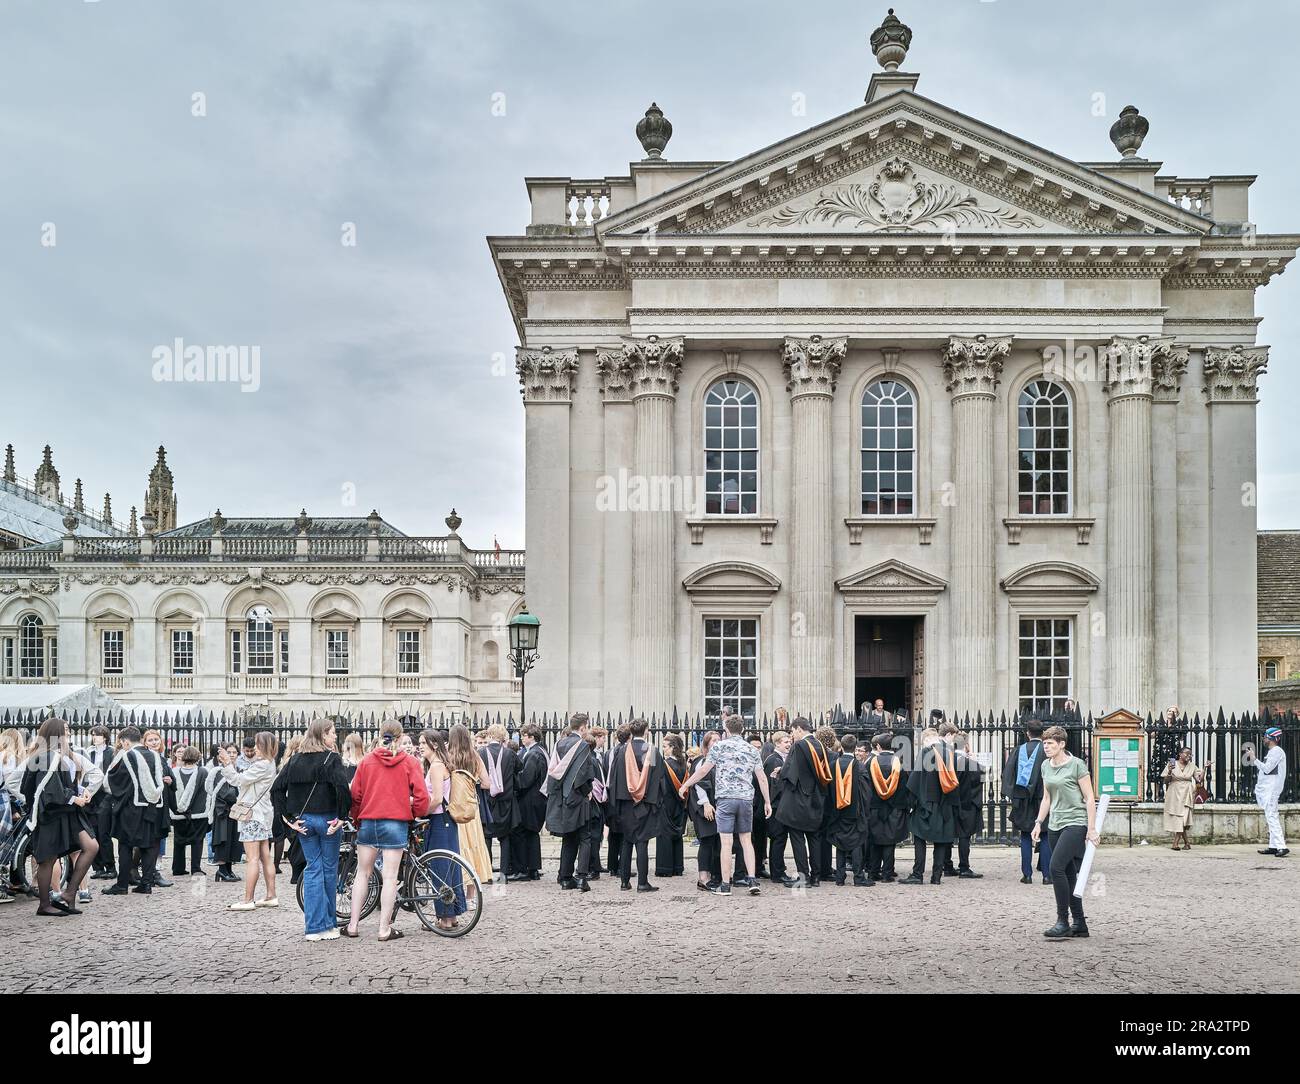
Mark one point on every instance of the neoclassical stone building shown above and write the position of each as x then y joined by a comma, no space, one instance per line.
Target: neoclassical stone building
902,405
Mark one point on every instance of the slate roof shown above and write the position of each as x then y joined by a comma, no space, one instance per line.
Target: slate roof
255,527
28,516
1279,577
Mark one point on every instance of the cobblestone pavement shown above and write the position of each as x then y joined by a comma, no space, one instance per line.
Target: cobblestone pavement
1214,919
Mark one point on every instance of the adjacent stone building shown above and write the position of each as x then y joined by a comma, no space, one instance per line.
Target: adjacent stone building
901,406
1279,620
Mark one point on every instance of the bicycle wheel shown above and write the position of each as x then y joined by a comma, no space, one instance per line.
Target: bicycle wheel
444,878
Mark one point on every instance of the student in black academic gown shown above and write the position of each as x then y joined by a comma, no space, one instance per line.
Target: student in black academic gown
1022,786
776,831
670,860
222,797
932,788
597,736
886,807
848,820
700,803
526,844
822,856
568,802
637,783
187,804
503,808
970,803
621,735
804,778
54,810
100,810
139,811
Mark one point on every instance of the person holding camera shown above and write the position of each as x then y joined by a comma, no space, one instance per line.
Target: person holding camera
1180,778
254,813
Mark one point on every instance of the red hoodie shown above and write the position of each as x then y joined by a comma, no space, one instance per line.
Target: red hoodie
388,786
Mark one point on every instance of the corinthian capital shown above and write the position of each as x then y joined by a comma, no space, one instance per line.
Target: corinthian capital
546,375
1127,364
973,366
1168,366
1231,375
613,375
812,365
651,365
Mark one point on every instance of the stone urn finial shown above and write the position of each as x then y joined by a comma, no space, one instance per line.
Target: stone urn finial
218,522
70,523
373,521
303,522
149,522
890,41
453,522
1128,132
654,130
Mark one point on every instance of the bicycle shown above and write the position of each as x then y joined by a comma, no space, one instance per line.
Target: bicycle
425,879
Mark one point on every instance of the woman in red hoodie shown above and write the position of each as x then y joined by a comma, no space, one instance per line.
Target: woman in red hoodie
388,792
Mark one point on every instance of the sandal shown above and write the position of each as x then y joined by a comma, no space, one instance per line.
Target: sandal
392,935
347,933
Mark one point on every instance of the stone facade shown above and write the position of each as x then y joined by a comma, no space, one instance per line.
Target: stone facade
1073,345
1279,620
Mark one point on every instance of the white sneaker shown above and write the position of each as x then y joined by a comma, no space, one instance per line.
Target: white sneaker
324,935
272,902
241,906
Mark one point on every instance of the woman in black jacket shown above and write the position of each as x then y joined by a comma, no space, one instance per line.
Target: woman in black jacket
311,797
699,807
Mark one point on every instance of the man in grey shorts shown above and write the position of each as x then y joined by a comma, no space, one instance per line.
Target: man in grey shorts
736,765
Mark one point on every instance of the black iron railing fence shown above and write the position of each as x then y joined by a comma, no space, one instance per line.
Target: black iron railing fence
1220,743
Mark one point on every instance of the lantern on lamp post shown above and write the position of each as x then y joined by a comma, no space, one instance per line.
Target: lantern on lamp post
524,631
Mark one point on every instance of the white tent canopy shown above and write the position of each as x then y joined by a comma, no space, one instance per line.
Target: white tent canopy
55,698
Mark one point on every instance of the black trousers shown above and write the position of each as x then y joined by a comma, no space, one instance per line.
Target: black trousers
595,833
180,845
804,845
759,836
1068,845
942,852
963,852
642,850
777,834
670,860
880,860
571,846
148,864
615,850
102,822
525,851
708,858
506,852
822,854
845,857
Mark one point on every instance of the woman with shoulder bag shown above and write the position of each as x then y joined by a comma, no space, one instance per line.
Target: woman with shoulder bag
254,812
468,775
443,832
312,798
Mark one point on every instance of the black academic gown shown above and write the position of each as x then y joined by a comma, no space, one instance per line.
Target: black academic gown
887,817
970,795
847,824
191,822
503,807
47,799
770,764
803,795
674,809
568,804
1024,801
704,828
637,821
532,802
138,822
933,813
226,847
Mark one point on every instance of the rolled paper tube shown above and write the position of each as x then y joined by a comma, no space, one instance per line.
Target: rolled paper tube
1091,849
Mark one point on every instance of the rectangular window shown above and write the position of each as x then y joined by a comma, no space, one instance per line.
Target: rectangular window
284,651
9,657
235,653
182,652
1046,663
261,652
112,651
54,656
731,666
408,651
336,651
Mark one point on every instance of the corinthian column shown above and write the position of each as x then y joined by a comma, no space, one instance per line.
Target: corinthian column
651,367
1231,376
812,367
1128,370
972,368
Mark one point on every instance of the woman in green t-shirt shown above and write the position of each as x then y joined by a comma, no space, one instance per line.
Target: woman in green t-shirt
1070,813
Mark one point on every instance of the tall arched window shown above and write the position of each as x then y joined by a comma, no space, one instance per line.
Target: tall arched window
888,449
491,660
261,641
1046,458
31,647
731,449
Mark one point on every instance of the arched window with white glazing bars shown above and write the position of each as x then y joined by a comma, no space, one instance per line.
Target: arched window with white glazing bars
1045,472
731,448
888,449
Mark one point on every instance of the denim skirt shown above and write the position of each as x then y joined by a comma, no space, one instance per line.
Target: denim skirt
385,834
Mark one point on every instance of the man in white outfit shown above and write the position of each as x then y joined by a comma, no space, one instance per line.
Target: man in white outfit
1269,779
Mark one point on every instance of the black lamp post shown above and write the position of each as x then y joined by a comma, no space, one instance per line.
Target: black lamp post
524,631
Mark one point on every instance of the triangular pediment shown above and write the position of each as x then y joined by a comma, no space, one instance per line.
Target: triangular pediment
891,576
901,165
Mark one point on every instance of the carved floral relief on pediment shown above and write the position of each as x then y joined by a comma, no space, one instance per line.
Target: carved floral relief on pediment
898,198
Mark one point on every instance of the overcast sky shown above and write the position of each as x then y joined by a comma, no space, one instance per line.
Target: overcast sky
377,359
